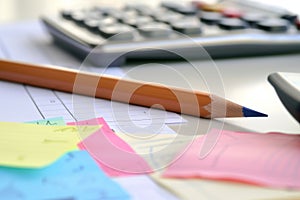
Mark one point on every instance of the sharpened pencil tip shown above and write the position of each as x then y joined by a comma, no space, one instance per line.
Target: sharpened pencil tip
252,113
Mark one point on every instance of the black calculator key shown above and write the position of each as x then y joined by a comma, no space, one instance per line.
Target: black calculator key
210,17
117,32
155,30
253,18
189,26
274,25
232,24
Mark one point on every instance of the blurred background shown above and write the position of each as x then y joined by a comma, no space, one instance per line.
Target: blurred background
16,10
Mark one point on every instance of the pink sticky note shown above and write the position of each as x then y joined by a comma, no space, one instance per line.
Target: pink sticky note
113,155
271,159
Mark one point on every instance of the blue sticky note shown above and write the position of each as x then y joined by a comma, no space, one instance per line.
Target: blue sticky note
74,176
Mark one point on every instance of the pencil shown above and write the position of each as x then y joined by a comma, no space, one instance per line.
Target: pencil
196,103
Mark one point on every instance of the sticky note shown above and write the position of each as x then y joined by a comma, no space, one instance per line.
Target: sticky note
95,121
112,154
75,175
270,159
159,150
31,145
49,121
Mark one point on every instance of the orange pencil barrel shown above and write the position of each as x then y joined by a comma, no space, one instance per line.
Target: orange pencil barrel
173,99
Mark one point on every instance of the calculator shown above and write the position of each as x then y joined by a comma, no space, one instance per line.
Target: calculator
287,87
172,30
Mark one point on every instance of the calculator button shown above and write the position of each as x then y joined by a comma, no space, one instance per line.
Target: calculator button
210,17
297,23
107,21
155,30
189,26
232,24
290,17
93,14
107,10
128,16
66,14
198,4
177,7
136,22
92,24
232,13
170,5
167,17
118,31
134,6
186,10
273,25
78,17
253,18
146,11
212,8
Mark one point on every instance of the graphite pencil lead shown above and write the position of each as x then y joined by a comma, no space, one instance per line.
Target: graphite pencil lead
252,113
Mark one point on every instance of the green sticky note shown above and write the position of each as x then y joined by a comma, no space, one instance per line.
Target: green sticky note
49,121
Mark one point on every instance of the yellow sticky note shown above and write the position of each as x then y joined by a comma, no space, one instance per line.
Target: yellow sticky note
33,146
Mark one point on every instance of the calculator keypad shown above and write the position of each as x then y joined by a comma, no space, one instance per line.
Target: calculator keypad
222,29
158,22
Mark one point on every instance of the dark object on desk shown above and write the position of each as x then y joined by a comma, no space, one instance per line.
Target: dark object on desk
146,94
143,32
287,86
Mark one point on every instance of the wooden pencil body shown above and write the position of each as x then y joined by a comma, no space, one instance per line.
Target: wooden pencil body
134,92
